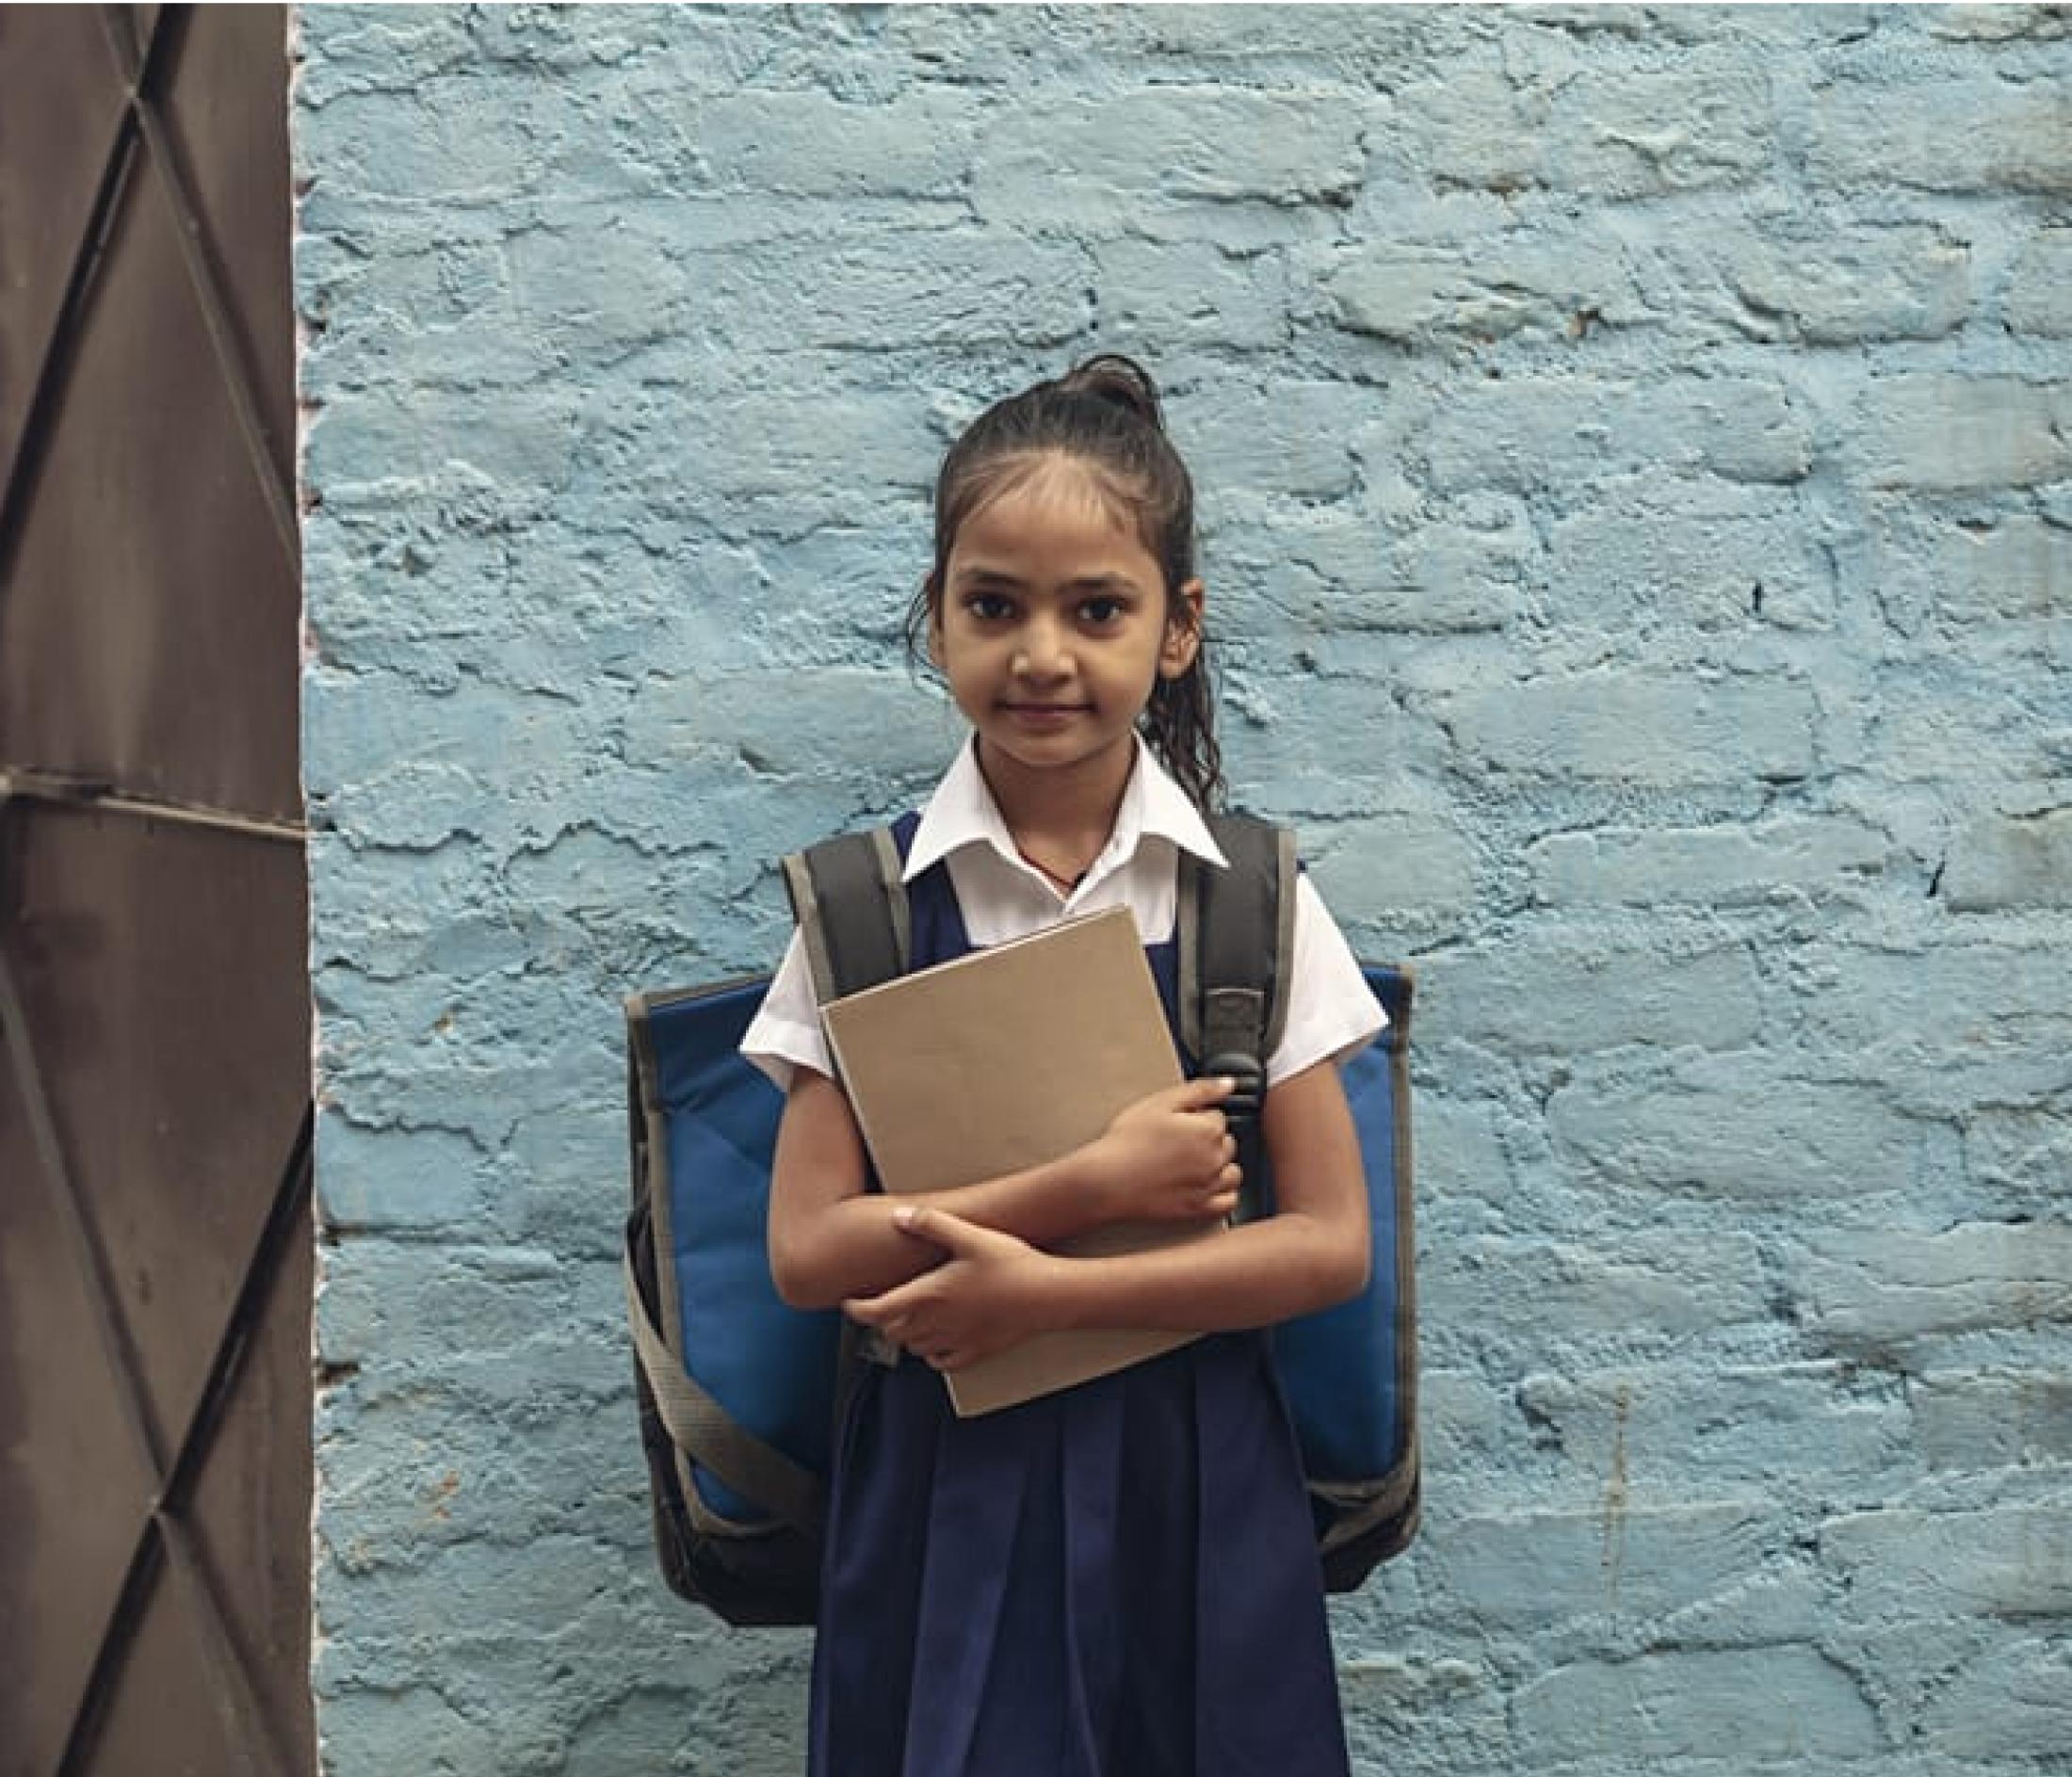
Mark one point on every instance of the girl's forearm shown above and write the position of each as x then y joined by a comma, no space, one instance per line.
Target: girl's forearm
852,1247
1253,1275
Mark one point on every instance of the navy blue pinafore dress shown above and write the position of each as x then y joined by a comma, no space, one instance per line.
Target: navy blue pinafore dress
1117,1580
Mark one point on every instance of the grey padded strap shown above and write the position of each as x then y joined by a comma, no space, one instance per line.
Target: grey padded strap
1236,932
701,1428
1236,940
1187,932
1283,936
848,896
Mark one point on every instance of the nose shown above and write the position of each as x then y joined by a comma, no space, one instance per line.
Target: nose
1043,652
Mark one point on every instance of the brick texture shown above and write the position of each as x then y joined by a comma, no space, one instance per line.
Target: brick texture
1637,503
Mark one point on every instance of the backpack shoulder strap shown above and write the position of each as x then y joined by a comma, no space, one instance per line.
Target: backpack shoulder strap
848,896
1237,944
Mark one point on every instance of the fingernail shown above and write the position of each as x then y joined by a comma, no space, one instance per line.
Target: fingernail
903,1216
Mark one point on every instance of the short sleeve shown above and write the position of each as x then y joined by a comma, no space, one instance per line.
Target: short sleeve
786,1033
1332,1012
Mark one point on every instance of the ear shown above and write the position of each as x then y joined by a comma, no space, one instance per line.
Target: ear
934,624
1183,630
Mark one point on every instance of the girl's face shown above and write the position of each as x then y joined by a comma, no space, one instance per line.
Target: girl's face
1053,624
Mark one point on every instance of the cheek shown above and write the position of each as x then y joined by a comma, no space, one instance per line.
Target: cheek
965,660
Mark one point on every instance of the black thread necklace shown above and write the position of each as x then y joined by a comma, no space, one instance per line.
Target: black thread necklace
1054,878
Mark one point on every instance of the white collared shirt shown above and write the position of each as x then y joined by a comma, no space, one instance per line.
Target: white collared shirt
1331,1010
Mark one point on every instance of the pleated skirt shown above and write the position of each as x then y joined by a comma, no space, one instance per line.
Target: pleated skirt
1118,1580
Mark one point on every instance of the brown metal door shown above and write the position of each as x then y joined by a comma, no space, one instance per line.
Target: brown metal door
154,1029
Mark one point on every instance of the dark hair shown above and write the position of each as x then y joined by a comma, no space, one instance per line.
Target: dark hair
1104,414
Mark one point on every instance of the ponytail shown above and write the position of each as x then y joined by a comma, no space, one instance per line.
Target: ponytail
1179,723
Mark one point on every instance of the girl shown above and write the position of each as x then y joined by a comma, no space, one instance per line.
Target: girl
1118,1580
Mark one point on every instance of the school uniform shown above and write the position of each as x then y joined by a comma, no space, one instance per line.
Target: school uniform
1119,1579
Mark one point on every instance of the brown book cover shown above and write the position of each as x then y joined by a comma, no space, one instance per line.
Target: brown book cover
1001,1061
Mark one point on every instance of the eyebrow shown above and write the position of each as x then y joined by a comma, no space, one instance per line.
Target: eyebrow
979,575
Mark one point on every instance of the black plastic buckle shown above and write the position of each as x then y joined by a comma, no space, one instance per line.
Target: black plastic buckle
1241,1109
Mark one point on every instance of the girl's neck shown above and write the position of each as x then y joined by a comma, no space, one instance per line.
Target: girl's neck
1064,813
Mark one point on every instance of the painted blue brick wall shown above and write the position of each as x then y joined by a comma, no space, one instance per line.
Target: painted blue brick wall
1636,453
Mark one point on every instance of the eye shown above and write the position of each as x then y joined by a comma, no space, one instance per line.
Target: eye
988,608
1102,610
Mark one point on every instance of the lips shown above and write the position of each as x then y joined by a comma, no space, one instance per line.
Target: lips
1042,715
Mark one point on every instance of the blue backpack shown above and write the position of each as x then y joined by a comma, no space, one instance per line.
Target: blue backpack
739,1395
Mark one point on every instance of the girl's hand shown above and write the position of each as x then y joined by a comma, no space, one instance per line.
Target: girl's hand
987,1294
1170,1157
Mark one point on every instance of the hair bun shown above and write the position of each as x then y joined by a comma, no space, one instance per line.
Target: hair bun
1121,381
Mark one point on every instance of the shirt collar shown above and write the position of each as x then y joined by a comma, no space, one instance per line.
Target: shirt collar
963,813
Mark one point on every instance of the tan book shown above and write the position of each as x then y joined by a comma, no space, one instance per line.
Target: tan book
1001,1061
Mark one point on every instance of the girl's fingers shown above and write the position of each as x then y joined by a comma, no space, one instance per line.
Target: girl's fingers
883,1311
938,1227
